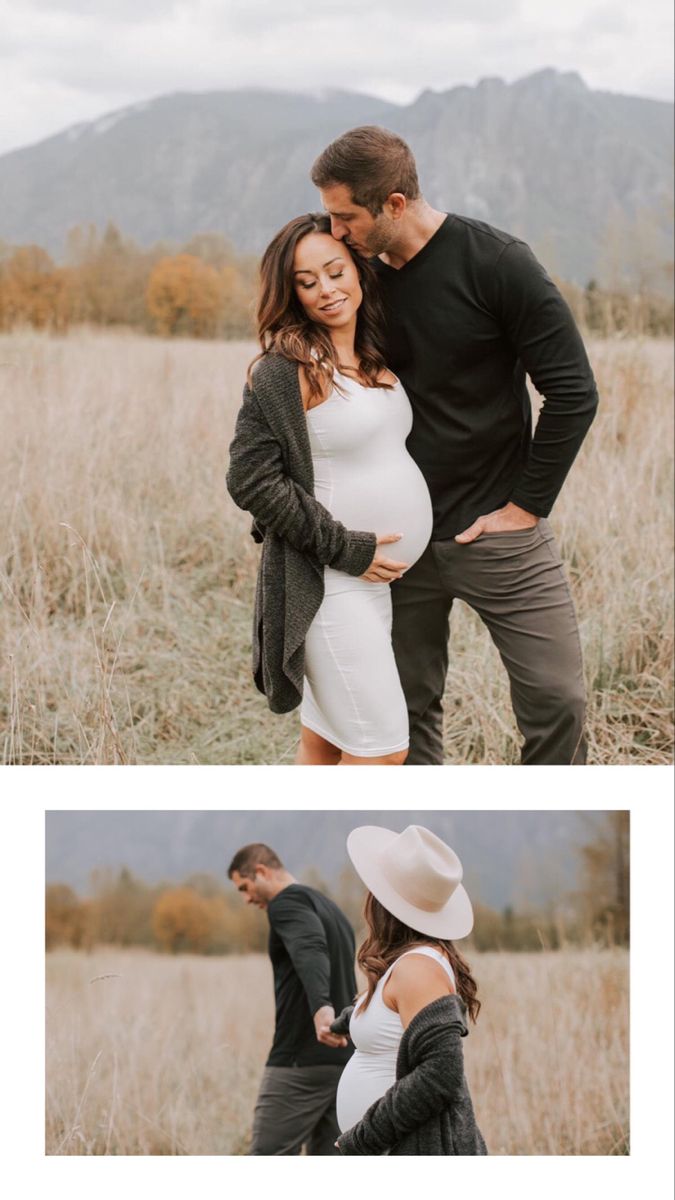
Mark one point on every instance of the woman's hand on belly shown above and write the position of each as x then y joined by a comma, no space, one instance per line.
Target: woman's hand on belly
383,569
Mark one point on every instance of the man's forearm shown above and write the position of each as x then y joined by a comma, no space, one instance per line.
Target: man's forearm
558,437
542,331
312,967
302,934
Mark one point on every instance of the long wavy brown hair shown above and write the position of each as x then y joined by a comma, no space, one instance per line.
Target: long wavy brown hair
388,938
285,328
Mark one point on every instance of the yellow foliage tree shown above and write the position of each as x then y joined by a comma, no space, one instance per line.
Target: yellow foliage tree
185,295
182,920
67,918
33,291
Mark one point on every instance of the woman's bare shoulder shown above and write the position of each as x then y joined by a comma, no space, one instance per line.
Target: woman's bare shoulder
415,969
415,981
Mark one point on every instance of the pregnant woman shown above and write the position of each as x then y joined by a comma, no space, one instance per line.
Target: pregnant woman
319,460
403,1091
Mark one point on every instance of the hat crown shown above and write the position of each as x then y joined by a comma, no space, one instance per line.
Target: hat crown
421,868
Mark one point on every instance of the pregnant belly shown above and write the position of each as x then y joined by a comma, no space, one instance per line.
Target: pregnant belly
393,499
365,1079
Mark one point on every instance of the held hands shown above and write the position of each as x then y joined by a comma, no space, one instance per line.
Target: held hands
323,1019
382,569
502,520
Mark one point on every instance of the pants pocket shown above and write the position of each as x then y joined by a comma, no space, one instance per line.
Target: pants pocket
515,534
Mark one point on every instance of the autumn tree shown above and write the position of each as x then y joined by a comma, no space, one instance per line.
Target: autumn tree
185,295
122,909
182,920
67,918
110,274
33,291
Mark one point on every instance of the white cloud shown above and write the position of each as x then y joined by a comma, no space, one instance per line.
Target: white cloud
128,9
65,61
349,14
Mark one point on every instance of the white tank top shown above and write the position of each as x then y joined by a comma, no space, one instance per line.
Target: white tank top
363,473
376,1034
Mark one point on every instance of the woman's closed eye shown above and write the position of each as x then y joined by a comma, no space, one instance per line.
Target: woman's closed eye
306,286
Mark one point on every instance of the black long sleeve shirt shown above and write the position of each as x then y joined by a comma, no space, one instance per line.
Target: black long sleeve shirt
466,319
311,946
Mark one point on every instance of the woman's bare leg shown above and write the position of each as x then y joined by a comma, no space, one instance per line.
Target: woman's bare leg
386,760
315,751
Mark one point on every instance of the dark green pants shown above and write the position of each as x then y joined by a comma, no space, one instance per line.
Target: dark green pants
517,585
296,1108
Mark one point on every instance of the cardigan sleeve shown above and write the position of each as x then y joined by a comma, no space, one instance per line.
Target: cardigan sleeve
257,483
434,1083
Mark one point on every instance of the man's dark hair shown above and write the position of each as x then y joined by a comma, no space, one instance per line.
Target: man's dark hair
372,162
247,859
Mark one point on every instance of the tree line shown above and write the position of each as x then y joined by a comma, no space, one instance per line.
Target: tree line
203,289
204,916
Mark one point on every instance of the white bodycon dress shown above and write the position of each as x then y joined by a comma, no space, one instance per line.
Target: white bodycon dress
365,477
376,1034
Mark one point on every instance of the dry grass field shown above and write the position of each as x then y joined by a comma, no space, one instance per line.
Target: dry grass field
126,575
157,1055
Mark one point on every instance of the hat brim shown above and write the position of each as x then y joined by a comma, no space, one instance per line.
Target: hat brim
365,847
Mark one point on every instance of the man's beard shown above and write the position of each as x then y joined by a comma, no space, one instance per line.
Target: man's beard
378,240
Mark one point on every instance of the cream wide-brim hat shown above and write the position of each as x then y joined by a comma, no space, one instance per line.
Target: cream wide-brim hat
415,876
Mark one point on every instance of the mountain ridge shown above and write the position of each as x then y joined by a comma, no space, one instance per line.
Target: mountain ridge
579,174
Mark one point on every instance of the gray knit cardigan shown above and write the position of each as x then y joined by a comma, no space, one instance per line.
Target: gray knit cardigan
428,1110
270,475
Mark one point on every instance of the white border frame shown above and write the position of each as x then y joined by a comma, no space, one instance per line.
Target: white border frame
646,791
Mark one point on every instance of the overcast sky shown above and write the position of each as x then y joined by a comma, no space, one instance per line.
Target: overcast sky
65,61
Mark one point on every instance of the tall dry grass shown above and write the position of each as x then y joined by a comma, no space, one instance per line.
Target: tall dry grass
126,575
158,1055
